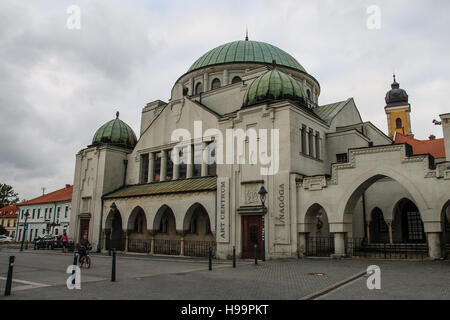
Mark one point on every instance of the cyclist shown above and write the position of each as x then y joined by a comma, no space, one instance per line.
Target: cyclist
83,247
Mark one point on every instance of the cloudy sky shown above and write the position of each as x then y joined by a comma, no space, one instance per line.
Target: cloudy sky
57,86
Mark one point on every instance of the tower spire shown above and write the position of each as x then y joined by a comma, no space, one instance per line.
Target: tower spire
246,33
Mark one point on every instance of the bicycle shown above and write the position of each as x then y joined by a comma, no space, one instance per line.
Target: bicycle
85,260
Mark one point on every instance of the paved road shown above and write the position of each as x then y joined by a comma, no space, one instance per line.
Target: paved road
41,275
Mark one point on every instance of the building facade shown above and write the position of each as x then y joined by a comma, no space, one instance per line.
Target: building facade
246,115
8,219
48,214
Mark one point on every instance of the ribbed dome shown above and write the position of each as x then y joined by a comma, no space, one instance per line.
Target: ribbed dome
396,96
246,52
115,132
274,85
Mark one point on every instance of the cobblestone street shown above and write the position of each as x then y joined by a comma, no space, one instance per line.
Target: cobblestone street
41,275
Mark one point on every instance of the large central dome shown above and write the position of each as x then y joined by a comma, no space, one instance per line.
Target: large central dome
246,52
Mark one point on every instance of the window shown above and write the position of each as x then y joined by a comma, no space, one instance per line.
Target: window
34,211
157,167
50,214
317,147
236,79
144,168
182,167
66,212
198,157
398,123
211,151
341,158
308,93
311,142
59,211
45,213
38,213
215,84
303,138
169,173
198,88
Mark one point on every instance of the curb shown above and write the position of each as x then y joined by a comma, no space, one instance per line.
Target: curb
334,286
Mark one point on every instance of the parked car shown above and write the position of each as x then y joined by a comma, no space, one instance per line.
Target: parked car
5,239
54,242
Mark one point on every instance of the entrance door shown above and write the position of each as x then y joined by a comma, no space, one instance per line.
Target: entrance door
251,235
84,227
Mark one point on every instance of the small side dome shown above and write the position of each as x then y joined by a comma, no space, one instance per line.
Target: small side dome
117,133
274,85
396,96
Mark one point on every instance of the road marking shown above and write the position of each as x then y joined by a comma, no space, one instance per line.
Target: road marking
26,284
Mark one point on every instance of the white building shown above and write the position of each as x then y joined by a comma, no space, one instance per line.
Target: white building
337,177
48,214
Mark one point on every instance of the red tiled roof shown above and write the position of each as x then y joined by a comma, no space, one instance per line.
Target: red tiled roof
434,147
64,194
9,211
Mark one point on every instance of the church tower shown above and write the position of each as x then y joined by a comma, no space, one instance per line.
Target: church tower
398,111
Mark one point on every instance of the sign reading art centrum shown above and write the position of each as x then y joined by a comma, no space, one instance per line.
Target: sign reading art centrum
223,210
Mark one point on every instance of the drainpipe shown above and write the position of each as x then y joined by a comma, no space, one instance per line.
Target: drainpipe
101,226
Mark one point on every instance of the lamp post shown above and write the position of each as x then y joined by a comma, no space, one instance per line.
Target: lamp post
262,195
113,210
25,227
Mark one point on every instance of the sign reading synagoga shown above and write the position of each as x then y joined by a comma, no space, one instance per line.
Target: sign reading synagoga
331,176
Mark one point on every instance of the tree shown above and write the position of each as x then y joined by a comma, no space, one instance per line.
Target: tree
7,195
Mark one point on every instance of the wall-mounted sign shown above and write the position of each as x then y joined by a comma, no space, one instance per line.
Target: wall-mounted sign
223,210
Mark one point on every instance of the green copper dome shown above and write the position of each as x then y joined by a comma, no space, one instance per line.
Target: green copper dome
115,132
246,51
273,85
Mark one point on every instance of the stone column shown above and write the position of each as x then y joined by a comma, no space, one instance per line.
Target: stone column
163,173
389,224
126,240
152,244
339,244
190,165
225,80
302,244
204,156
434,245
182,246
205,82
151,167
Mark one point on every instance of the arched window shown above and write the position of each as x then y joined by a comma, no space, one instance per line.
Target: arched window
198,88
236,79
215,84
308,93
398,123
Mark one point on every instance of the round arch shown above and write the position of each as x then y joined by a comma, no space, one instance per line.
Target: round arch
316,221
351,197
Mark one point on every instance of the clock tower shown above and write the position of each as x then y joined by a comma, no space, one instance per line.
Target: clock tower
398,111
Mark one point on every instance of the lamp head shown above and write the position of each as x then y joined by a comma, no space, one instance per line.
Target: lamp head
262,194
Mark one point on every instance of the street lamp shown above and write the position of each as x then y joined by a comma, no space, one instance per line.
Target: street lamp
262,195
25,227
113,210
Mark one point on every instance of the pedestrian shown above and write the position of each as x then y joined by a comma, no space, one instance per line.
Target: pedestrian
64,240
